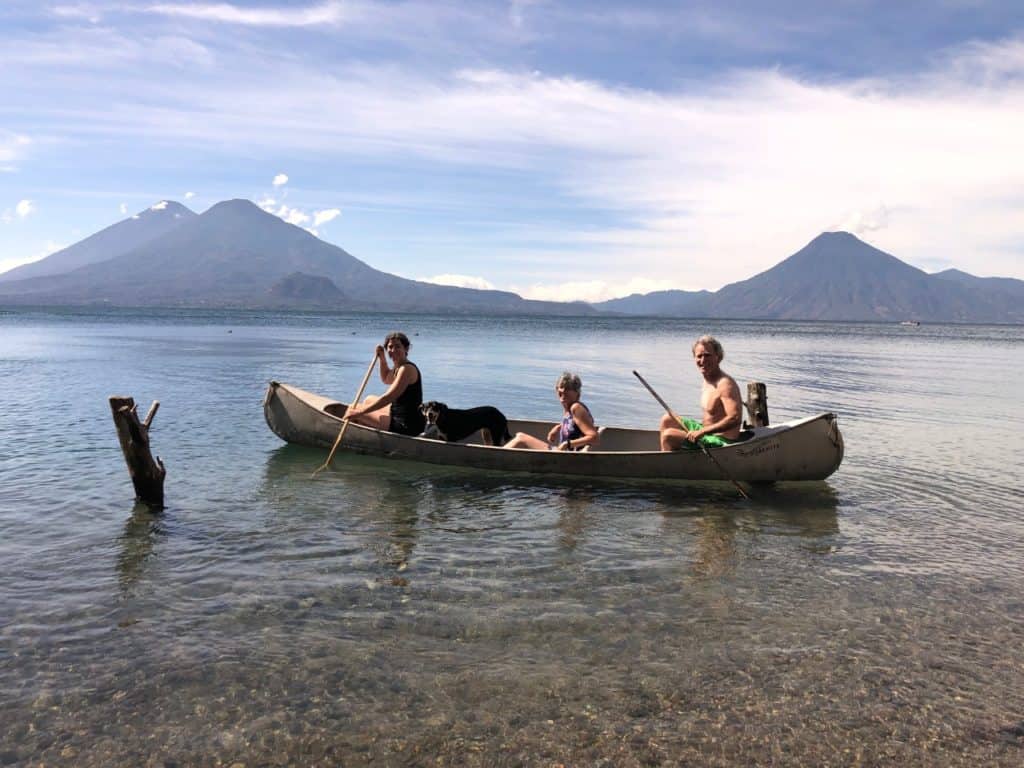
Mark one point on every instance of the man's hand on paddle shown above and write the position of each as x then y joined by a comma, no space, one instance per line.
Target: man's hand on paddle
692,435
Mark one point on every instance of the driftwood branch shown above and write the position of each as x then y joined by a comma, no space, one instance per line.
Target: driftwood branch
152,412
146,472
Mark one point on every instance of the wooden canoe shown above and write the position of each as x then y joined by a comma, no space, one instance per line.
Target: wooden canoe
803,449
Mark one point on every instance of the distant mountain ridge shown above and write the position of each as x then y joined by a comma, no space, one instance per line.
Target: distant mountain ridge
238,255
839,277
1005,284
112,241
680,303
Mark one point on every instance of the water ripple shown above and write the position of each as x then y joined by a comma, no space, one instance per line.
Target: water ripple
399,614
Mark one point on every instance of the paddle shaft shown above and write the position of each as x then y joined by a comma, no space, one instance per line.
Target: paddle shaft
344,426
702,447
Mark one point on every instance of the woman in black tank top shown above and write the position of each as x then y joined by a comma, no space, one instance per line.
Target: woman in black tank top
404,394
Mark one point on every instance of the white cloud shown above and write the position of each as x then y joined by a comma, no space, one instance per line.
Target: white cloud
159,206
297,216
105,48
863,221
322,217
123,208
324,13
12,147
292,215
24,208
189,195
280,180
85,11
592,290
460,281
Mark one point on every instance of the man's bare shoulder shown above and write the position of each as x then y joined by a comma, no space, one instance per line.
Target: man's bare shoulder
726,383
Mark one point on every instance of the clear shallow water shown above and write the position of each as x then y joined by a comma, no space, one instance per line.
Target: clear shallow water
402,614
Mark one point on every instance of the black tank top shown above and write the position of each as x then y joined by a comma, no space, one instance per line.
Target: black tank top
406,418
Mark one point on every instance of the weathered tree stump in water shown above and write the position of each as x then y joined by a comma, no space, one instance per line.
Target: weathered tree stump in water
757,404
147,474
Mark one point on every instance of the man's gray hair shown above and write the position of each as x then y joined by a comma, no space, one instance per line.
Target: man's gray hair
569,381
709,341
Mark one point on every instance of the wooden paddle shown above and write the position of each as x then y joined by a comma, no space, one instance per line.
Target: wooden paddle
344,425
700,445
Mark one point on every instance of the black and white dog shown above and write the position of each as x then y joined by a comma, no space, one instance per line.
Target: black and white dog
453,424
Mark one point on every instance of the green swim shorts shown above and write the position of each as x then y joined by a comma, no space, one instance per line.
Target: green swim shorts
708,441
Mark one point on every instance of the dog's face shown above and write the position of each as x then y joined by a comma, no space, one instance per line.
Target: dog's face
432,411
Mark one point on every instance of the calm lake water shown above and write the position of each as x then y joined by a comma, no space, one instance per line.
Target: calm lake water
400,614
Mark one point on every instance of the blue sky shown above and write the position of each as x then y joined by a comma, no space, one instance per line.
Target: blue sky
562,150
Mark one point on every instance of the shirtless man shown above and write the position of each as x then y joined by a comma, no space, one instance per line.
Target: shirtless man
719,399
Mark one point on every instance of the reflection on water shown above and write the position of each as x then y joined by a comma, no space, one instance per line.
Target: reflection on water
473,551
716,547
141,533
572,519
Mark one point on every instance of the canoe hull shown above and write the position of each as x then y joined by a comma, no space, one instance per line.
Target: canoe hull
807,449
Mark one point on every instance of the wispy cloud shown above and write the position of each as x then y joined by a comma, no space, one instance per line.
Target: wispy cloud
24,208
518,10
67,55
591,290
280,180
12,149
283,16
573,290
292,215
322,217
460,281
862,221
87,11
297,216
